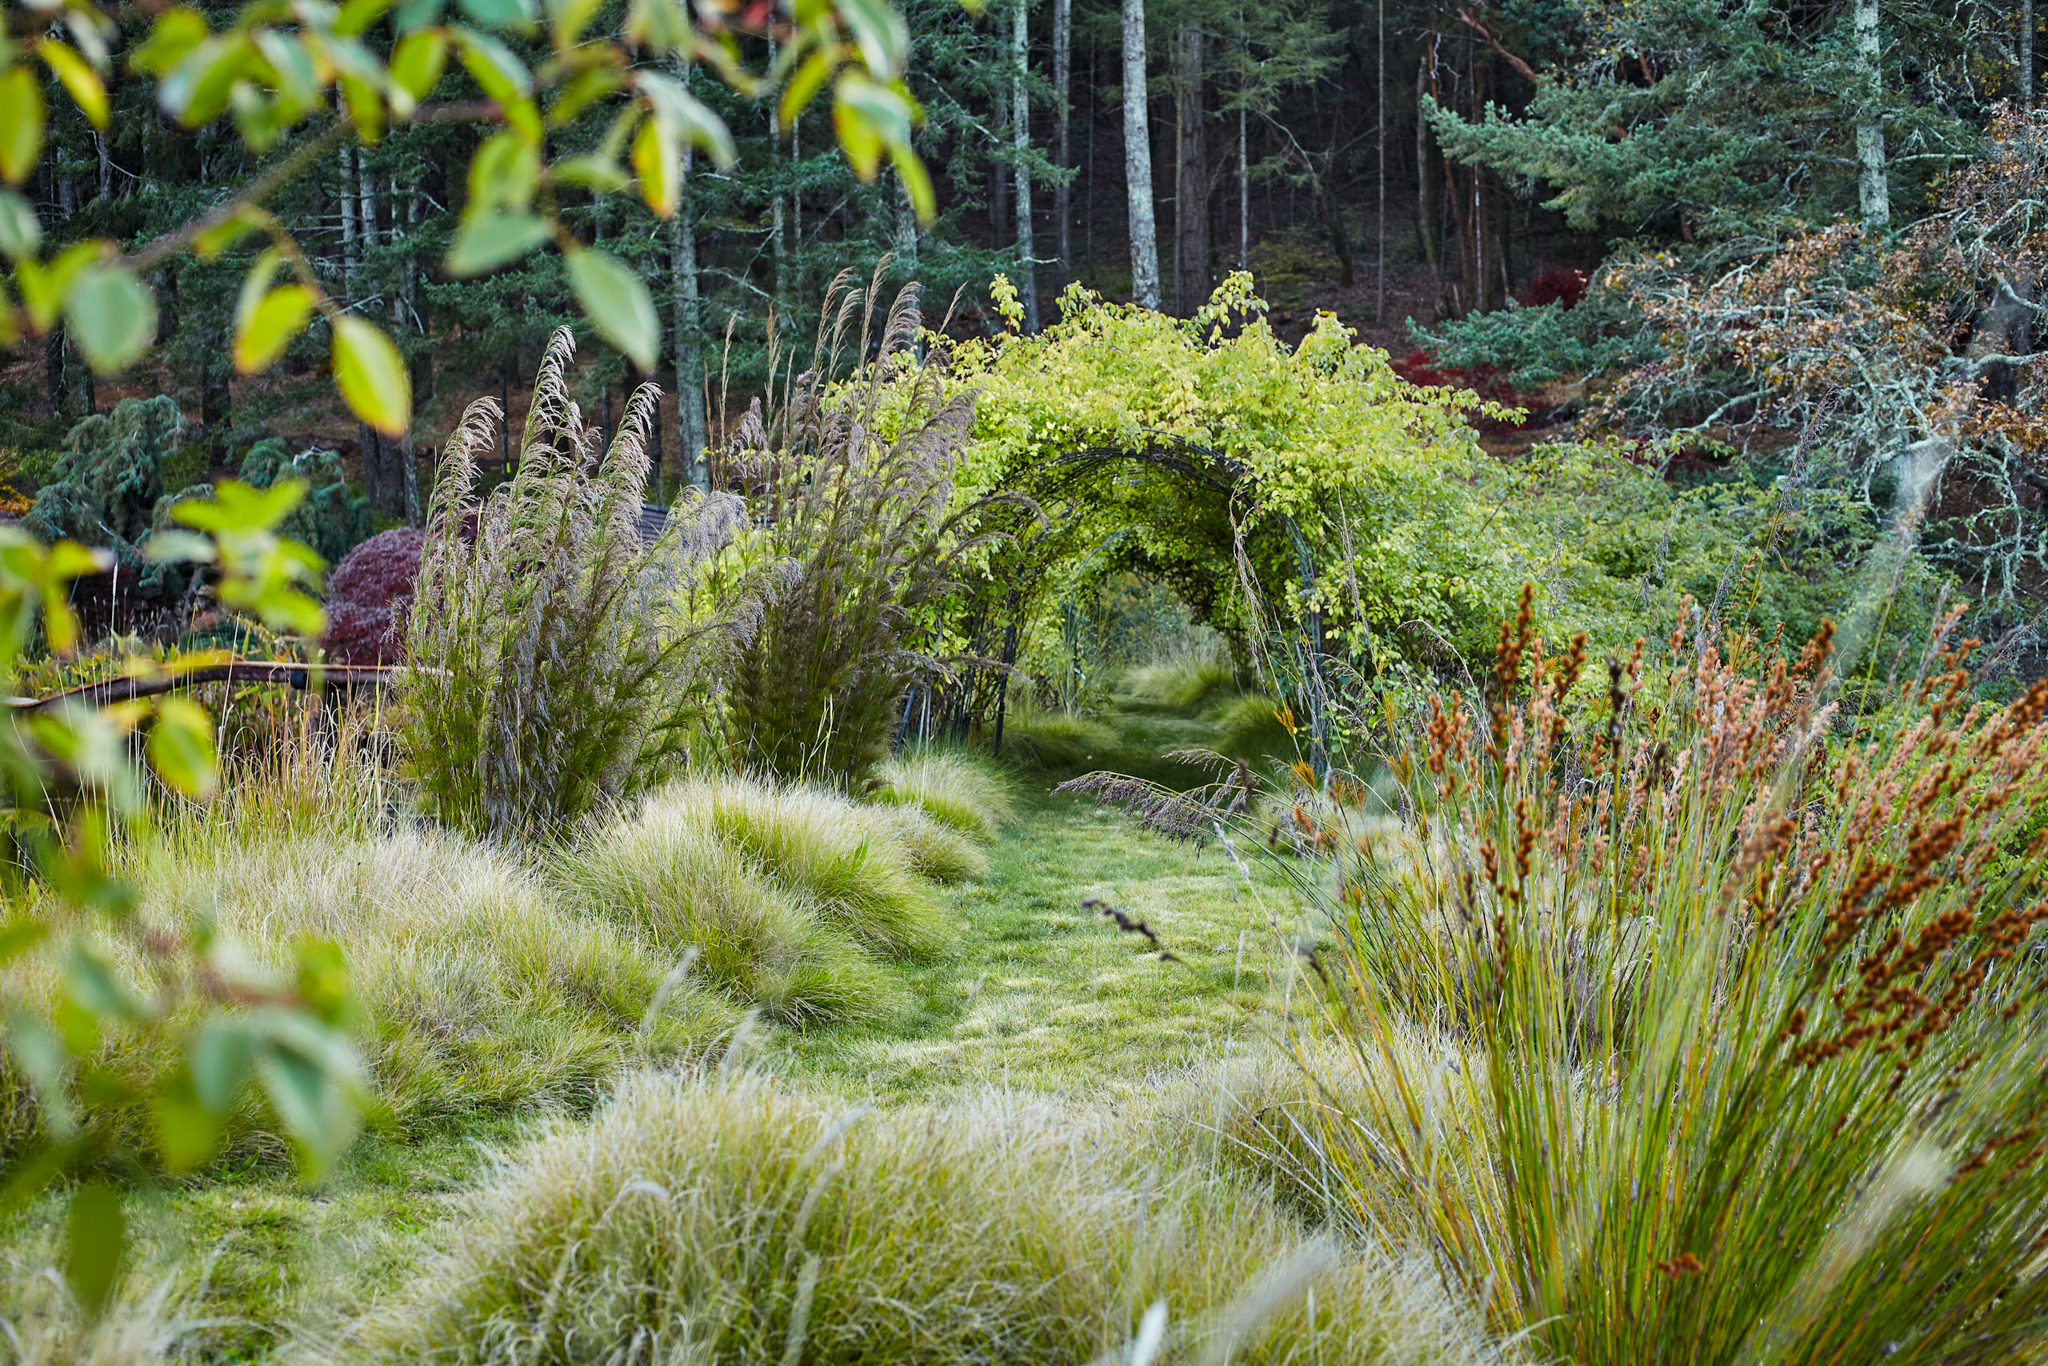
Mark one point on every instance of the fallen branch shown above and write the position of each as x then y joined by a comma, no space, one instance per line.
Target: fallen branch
285,672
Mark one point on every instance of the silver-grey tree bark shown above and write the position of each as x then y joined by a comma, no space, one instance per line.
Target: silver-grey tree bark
2027,55
690,418
1020,145
1062,87
1138,161
1873,195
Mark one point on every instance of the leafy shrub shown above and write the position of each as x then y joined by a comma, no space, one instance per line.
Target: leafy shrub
739,1222
553,653
822,846
369,598
1184,682
858,525
1554,285
673,880
1744,1029
477,989
954,789
1036,737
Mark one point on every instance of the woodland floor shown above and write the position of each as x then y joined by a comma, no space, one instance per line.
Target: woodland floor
1039,993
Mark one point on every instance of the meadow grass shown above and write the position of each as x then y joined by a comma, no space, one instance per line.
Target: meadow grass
954,787
477,989
1055,741
723,1216
822,846
667,874
1187,682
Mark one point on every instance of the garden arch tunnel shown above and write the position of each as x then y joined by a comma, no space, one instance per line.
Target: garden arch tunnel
1062,501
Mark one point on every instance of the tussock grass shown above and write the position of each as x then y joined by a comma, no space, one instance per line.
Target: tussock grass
1035,737
822,846
478,990
1248,727
955,789
1185,682
666,873
725,1219
933,850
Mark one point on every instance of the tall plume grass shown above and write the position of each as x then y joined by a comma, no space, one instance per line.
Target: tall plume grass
853,484
553,655
1733,1005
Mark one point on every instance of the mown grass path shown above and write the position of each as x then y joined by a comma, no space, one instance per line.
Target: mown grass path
1042,992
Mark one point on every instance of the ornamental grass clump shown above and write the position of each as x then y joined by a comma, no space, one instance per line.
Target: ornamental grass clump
477,990
726,1218
555,656
853,486
664,873
1740,1051
840,856
953,788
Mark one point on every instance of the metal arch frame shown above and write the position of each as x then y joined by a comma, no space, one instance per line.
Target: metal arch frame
1204,465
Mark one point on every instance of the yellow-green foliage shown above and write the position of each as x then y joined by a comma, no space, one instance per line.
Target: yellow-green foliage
1249,727
731,1220
1386,480
477,989
954,789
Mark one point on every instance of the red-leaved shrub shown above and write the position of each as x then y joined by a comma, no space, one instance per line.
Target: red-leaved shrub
369,596
1555,285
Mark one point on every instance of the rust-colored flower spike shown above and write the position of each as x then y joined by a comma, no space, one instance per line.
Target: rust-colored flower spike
1815,656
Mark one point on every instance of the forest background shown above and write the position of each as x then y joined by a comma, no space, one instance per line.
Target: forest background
1722,244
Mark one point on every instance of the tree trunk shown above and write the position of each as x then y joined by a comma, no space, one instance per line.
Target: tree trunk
1379,96
1062,86
906,231
690,417
1020,146
2026,61
347,195
1138,161
1190,175
1873,195
1244,192
1428,211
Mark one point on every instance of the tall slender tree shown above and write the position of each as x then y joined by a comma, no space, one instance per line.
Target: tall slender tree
691,427
1020,143
1191,177
1873,193
1138,161
1062,107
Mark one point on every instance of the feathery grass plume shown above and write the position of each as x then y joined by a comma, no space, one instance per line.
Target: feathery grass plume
554,656
955,789
1744,1017
667,874
825,848
477,989
1053,740
852,483
1195,814
726,1219
1187,681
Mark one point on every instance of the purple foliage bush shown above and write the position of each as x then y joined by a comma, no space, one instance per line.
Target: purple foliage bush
369,596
